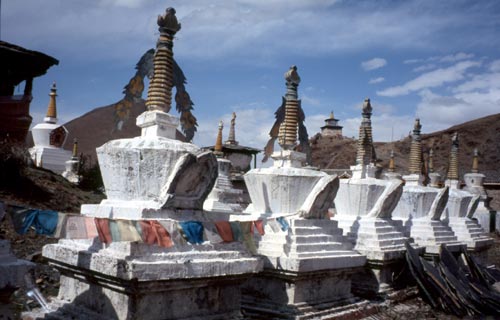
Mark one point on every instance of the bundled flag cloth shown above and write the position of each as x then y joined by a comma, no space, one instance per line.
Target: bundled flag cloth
44,221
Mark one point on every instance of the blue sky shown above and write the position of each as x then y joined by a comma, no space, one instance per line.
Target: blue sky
439,60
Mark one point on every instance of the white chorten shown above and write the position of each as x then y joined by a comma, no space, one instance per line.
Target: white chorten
49,139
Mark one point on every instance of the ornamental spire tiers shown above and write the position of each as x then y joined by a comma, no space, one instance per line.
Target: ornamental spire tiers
75,148
366,153
391,173
416,149
453,165
475,162
415,168
431,160
160,88
218,141
156,121
51,116
452,177
72,165
392,167
434,177
231,139
287,137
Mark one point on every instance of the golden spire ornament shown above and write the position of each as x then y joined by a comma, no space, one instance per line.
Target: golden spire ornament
51,115
218,141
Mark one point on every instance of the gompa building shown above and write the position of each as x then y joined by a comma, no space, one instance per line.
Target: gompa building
331,127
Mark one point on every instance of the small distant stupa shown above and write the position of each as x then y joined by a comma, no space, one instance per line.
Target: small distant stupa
331,127
49,139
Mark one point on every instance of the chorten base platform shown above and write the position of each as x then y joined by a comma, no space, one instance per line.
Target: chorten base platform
383,244
307,274
129,280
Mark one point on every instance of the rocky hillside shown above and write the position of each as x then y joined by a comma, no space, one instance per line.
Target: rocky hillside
482,133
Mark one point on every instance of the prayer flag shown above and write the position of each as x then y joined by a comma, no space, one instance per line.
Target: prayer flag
224,229
193,230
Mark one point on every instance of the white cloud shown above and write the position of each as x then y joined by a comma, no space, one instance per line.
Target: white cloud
311,101
454,57
118,30
431,79
412,61
373,64
495,66
477,97
122,3
376,80
425,67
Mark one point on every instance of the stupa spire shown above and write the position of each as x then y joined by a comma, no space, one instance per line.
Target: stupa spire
75,148
51,116
160,87
431,160
231,139
392,167
366,152
331,115
453,165
287,137
475,162
415,166
218,141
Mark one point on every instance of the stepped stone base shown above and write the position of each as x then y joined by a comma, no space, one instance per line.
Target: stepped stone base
129,280
379,239
349,225
470,232
308,245
51,158
431,234
383,244
307,272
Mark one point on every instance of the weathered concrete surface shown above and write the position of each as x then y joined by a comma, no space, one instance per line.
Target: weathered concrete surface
365,207
458,213
484,214
355,198
308,265
280,191
150,170
128,280
224,197
419,213
307,273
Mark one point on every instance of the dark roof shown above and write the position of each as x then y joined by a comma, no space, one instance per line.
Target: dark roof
236,147
18,64
331,127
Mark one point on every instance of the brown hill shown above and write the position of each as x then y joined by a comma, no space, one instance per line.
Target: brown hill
97,127
482,133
